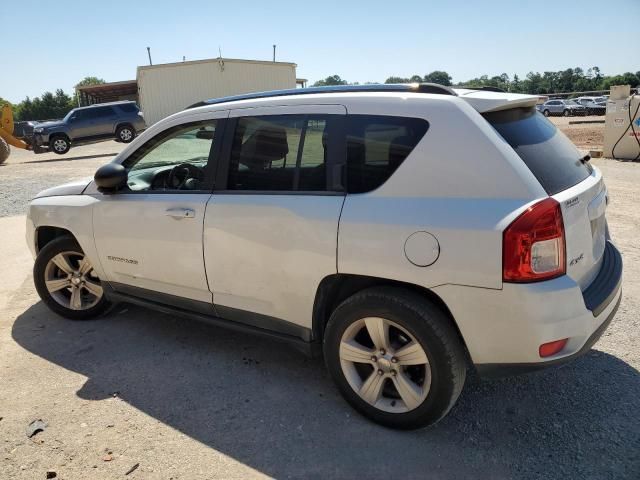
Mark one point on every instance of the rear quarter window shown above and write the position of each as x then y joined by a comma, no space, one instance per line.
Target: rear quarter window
550,155
376,146
128,107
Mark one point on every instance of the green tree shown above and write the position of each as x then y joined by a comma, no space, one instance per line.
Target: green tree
90,81
3,101
332,80
438,76
516,85
46,107
626,78
397,80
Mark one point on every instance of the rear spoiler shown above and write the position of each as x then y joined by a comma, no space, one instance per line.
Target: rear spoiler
490,101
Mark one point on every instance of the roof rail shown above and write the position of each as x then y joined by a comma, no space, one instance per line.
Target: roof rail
391,87
487,89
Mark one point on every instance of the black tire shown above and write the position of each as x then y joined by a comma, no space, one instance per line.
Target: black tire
429,326
59,144
50,250
5,150
125,133
566,113
546,113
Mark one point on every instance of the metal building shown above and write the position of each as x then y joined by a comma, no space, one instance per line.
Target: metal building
168,88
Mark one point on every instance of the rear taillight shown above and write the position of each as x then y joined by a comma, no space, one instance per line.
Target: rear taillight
533,245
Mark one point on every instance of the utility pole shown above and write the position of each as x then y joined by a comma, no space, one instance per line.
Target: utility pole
149,53
274,53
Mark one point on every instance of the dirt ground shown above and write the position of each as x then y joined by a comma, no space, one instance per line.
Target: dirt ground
184,400
587,136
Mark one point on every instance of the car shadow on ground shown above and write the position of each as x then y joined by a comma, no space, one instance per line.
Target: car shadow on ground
278,412
81,157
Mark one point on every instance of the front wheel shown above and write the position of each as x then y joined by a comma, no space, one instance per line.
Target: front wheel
59,145
66,282
395,357
566,113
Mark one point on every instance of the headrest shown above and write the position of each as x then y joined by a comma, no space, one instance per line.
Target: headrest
267,144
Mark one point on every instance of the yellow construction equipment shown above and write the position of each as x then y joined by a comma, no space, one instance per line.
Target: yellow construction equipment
6,134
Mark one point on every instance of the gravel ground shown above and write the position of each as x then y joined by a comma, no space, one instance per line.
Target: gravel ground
189,401
24,174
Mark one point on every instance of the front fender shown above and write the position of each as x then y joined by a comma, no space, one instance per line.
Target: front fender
71,212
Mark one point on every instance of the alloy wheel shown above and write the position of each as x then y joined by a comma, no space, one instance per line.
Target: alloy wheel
59,145
126,134
385,365
72,282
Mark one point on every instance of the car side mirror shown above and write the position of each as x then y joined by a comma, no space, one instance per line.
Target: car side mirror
110,177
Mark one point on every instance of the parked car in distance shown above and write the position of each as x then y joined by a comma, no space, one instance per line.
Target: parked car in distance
120,121
594,105
353,222
566,108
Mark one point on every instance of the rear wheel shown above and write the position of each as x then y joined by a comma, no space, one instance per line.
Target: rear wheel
59,145
125,134
395,357
546,113
5,150
66,282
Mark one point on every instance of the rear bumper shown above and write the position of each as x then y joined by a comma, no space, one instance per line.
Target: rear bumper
604,288
497,370
503,329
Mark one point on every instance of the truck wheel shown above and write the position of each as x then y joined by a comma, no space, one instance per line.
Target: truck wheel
4,150
125,134
395,357
59,145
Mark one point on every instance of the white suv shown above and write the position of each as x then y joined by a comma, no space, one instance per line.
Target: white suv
406,232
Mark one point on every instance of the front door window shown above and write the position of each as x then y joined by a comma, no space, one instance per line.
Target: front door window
174,160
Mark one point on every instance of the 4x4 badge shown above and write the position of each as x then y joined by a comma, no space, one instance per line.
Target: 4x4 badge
576,260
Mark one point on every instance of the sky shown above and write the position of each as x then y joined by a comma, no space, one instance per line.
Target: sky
46,48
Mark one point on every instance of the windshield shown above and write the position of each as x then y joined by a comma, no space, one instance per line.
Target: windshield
68,115
599,99
571,102
550,156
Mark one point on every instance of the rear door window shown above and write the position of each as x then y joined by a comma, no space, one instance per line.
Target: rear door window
280,153
552,158
102,112
376,146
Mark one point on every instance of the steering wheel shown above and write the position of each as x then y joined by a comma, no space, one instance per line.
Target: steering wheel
185,176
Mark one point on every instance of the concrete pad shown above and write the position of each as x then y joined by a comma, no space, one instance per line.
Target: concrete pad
16,262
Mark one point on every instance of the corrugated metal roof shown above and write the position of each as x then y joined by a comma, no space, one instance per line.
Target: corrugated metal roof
213,60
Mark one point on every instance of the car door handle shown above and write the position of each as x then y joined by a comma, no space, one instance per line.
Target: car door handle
180,213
